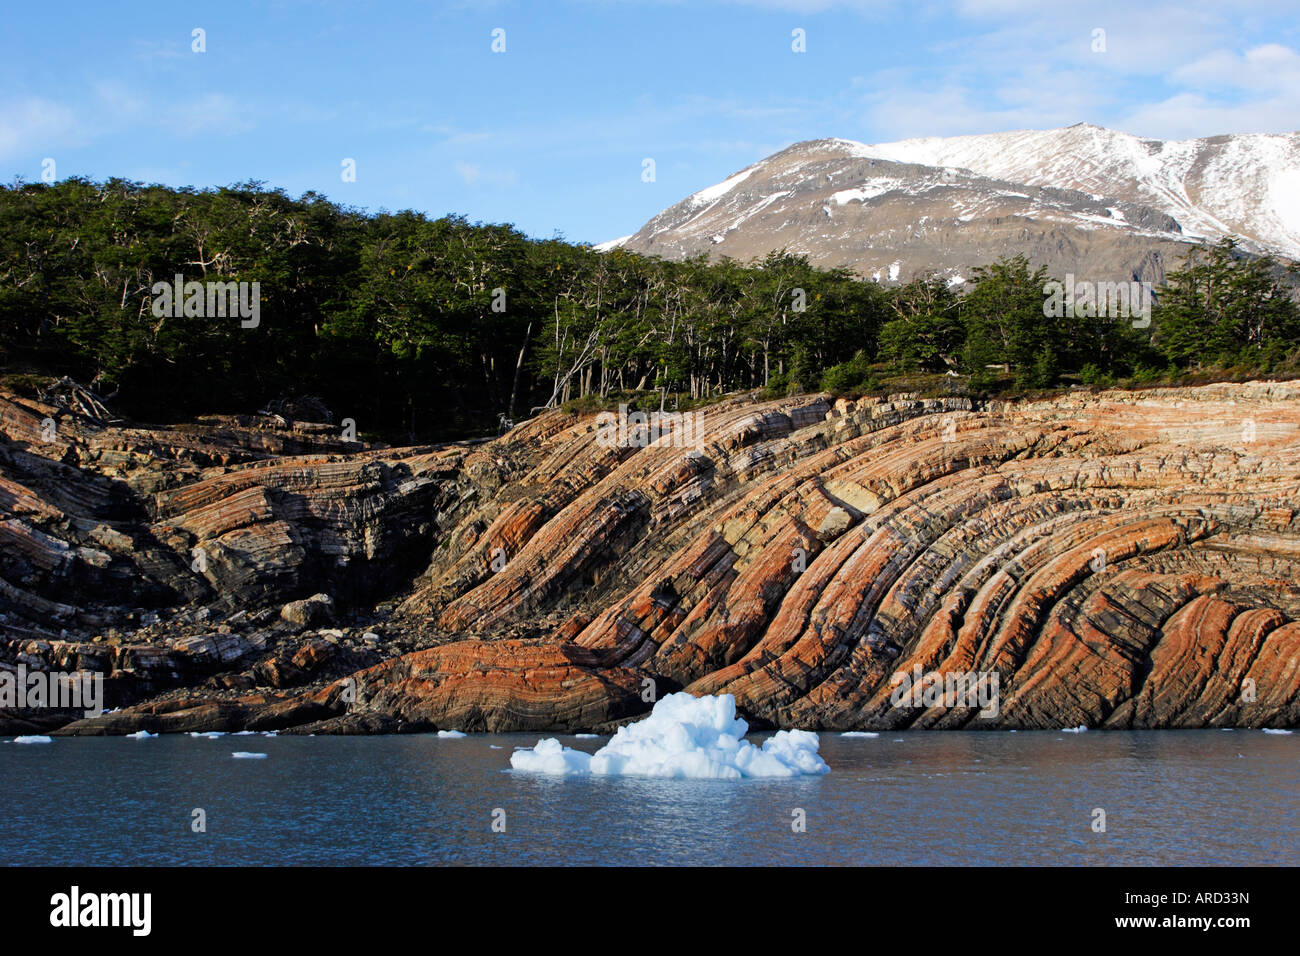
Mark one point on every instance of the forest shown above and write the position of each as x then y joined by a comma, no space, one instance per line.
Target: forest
425,329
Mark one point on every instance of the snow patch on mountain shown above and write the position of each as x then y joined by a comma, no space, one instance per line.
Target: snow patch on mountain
1214,186
714,193
870,190
1284,194
1081,199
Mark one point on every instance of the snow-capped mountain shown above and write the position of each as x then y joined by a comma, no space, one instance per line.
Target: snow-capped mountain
1083,199
1247,185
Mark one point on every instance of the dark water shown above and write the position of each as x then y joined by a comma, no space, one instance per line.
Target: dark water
1171,797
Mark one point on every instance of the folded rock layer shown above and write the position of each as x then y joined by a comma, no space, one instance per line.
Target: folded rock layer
1114,559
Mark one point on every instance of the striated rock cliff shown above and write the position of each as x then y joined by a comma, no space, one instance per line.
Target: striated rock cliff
1122,559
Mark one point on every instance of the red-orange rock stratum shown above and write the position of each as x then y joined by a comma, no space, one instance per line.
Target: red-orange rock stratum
1120,559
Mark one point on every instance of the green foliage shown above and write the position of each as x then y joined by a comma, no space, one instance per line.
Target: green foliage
1145,375
412,326
423,328
852,377
929,332
1223,309
1004,320
1043,372
1091,374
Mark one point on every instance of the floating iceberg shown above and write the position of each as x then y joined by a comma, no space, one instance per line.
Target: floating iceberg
684,736
586,736
859,733
140,735
450,734
209,734
1082,728
550,756
1267,730
245,755
34,739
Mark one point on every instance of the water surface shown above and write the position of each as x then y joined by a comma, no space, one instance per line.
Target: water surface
986,798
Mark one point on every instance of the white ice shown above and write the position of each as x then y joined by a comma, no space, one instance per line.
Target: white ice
859,733
450,734
34,739
140,735
245,755
684,737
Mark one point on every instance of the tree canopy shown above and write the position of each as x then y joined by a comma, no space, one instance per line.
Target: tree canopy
435,328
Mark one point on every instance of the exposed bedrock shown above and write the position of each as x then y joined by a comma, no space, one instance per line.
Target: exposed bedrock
1122,559
96,521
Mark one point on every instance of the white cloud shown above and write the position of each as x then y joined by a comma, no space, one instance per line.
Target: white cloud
1268,67
1167,71
35,124
791,6
1190,115
212,114
474,175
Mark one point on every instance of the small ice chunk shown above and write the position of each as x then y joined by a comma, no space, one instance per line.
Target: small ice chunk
587,736
1075,730
1267,730
245,755
859,733
550,756
140,735
34,739
683,737
450,734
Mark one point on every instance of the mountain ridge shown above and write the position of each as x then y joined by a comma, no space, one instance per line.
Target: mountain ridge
1082,198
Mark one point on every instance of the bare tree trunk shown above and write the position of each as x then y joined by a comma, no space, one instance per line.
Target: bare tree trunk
514,389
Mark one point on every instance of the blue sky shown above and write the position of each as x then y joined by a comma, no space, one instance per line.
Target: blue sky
551,134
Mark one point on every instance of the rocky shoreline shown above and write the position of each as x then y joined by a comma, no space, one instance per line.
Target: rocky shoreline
1117,559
